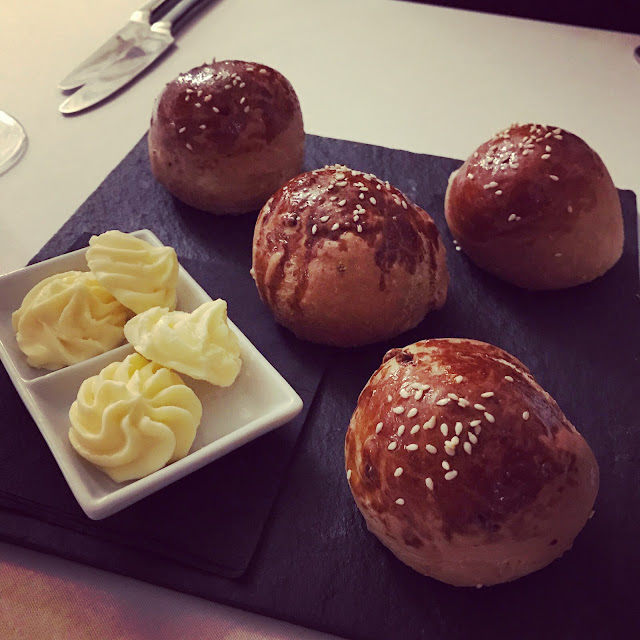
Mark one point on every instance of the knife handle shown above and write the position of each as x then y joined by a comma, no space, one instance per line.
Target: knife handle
175,16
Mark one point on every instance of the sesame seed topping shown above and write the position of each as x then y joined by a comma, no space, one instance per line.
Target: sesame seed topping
477,429
450,475
458,428
263,71
412,412
470,176
242,85
398,410
342,203
216,110
203,126
525,415
429,483
444,429
242,100
458,379
250,68
349,474
443,401
463,402
189,146
487,394
489,417
198,104
479,407
415,429
404,393
554,178
314,229
473,439
342,183
445,465
508,378
558,137
335,226
227,86
458,248
379,427
189,90
359,228
467,447
389,398
247,109
453,396
400,501
398,472
545,156
379,187
401,429
324,218
412,447
431,449
475,423
430,423
512,217
557,131
404,204
186,98
499,192
449,450
479,586
392,445
570,209
455,441
418,394
361,196
372,200
182,129
547,149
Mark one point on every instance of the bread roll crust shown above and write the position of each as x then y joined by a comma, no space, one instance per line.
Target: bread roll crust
513,492
224,136
536,206
343,258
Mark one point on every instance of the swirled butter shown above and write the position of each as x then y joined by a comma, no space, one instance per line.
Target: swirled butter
138,274
199,344
133,418
67,318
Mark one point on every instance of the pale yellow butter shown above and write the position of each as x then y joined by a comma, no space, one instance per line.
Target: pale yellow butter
199,344
67,318
138,274
133,418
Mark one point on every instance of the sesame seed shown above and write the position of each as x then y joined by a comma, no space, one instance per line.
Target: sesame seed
392,445
404,204
475,423
548,149
335,226
463,402
379,427
475,154
397,410
247,109
525,415
186,98
242,85
545,156
404,393
412,412
554,178
250,68
372,200
429,483
203,126
227,86
508,378
458,248
349,474
216,110
479,586
263,71
342,203
324,218
489,417
548,135
570,209
415,429
467,447
430,423
557,131
242,100
453,396
470,176
379,187
450,475
361,196
412,447
449,450
558,137
479,407
478,429
398,472
418,394
359,228
473,439
458,379
458,428
189,146
512,217
431,449
499,192
444,429
182,129
333,198
445,465
443,401
455,441
400,501
487,394
314,229
401,429
189,91
389,398
198,104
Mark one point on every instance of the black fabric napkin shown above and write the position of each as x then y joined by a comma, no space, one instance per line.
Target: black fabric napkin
316,564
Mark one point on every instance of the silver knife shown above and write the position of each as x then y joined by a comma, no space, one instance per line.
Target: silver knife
151,42
114,48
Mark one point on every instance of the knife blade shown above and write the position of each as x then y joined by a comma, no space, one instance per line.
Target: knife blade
149,45
114,48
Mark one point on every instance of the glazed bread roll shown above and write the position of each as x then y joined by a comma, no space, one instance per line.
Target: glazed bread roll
536,206
226,135
464,467
343,258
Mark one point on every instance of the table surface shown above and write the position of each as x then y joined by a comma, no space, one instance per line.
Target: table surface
402,75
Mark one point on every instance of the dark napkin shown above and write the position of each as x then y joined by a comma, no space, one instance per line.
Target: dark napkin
317,565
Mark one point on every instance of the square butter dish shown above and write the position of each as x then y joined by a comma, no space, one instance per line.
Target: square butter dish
258,401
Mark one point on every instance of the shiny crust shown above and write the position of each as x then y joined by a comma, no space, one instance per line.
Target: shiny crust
346,259
524,487
224,136
525,204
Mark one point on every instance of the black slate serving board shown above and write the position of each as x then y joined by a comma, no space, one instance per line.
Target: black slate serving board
315,563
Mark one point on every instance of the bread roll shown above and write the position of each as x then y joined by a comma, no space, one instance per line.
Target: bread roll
342,258
464,467
224,136
536,206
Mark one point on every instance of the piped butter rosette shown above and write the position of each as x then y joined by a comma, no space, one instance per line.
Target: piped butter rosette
133,418
199,344
67,318
138,274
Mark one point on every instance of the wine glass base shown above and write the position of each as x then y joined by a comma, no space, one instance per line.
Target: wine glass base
13,142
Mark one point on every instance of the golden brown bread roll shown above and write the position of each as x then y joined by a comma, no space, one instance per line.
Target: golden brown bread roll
464,467
536,206
226,135
345,259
